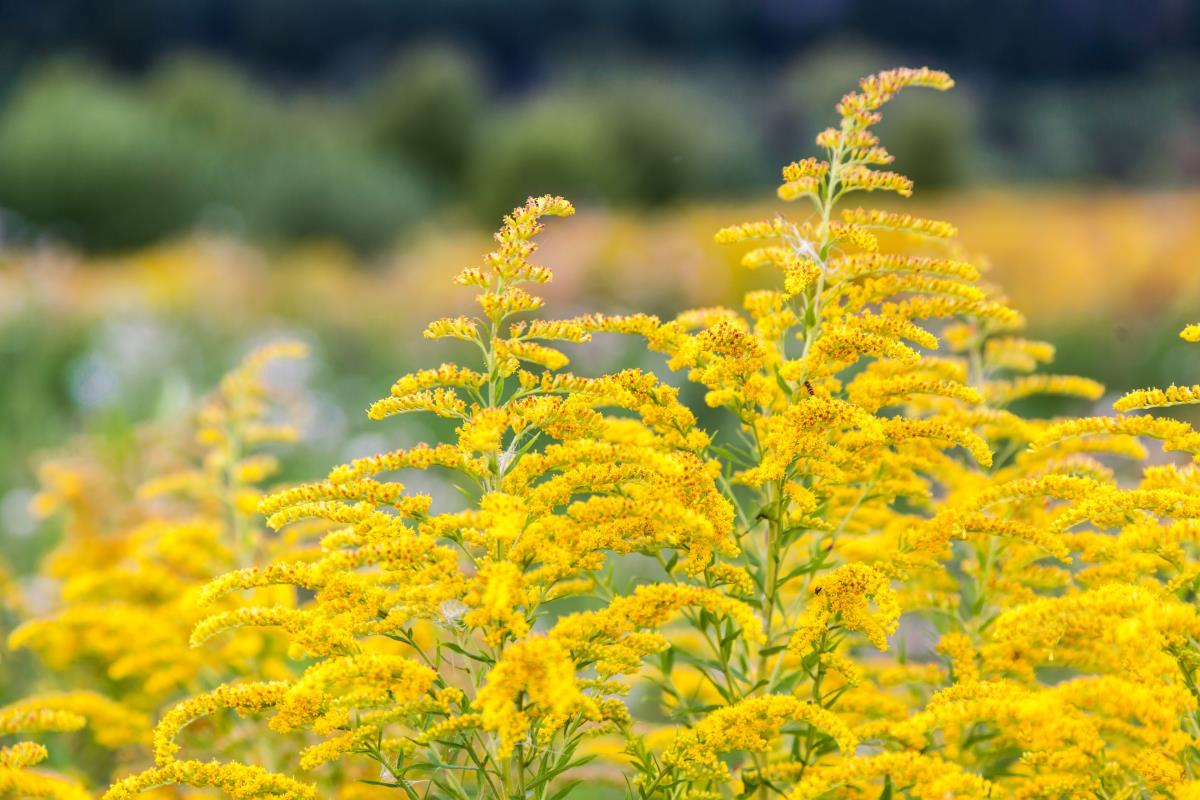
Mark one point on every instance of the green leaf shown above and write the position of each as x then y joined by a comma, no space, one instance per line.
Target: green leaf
480,657
566,789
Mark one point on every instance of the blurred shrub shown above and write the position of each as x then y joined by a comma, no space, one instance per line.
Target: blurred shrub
214,100
328,189
1082,133
675,142
36,406
425,111
81,155
109,165
291,170
624,140
933,143
555,140
816,80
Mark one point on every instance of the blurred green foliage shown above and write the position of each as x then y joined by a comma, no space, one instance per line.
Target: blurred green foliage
555,140
425,112
625,139
85,155
107,164
111,162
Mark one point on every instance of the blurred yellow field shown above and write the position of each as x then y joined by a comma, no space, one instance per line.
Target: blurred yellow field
1067,258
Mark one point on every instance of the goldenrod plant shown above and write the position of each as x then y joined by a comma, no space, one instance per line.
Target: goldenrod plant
133,557
874,480
424,628
136,550
877,575
112,724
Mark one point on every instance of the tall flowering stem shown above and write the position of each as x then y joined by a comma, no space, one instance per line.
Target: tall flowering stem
847,430
877,579
438,640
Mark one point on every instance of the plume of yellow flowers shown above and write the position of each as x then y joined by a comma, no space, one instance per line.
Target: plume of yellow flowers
1063,595
134,578
111,724
430,632
136,551
880,577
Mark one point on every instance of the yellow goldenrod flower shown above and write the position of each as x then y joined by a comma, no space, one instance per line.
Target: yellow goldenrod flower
845,596
768,229
750,726
924,776
497,602
1175,434
858,109
452,328
238,781
901,222
533,681
1157,398
243,698
1004,392
21,783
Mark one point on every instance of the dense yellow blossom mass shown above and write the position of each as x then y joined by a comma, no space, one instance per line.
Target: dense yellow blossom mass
877,576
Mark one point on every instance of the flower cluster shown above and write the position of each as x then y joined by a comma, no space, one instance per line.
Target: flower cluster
879,575
875,478
141,535
430,632
130,566
112,724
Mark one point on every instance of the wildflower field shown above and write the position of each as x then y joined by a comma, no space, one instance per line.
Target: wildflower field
798,507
